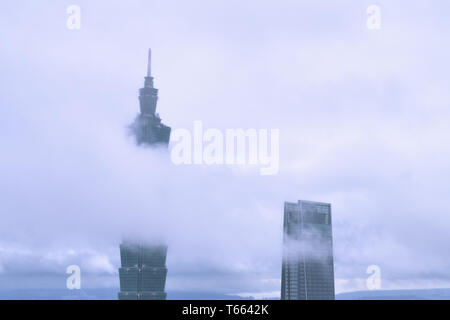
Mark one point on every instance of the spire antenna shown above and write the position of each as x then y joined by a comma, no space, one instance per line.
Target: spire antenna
149,66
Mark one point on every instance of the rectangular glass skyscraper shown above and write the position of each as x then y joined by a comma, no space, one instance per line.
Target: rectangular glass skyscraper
307,270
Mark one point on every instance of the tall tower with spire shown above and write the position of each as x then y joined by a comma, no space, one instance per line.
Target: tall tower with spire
147,126
143,266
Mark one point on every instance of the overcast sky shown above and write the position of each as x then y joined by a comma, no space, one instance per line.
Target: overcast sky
363,118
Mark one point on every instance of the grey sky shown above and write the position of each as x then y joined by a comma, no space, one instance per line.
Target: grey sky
363,118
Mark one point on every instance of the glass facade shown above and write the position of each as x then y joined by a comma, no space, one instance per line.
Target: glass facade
143,272
307,269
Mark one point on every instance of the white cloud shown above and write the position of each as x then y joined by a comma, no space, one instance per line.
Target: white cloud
363,121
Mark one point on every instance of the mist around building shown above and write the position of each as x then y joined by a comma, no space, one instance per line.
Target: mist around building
287,150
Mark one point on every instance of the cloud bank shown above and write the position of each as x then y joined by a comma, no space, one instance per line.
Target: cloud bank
363,119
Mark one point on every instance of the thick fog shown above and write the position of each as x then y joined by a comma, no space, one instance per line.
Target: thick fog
363,118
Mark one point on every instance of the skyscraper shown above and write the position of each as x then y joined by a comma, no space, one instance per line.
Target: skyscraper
143,272
147,126
143,266
307,270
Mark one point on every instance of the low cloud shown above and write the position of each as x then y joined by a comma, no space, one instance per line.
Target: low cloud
363,121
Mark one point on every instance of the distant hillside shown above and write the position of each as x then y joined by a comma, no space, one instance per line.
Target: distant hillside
422,294
111,294
103,294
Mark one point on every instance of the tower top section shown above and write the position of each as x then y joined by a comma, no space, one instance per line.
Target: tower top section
148,127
